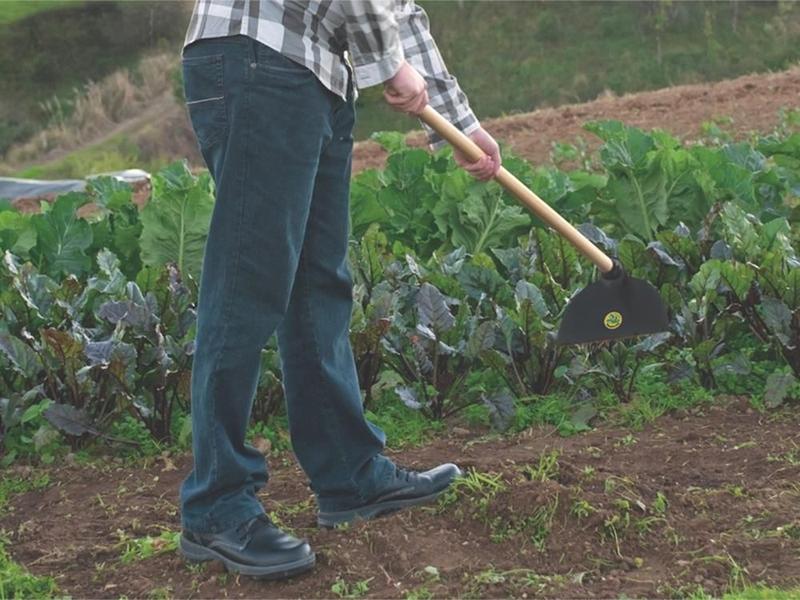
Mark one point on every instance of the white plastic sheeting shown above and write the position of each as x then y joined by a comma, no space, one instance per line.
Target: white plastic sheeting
12,188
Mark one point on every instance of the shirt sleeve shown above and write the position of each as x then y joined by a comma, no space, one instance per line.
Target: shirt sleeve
421,52
373,40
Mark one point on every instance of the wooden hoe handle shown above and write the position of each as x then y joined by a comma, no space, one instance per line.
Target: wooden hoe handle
538,206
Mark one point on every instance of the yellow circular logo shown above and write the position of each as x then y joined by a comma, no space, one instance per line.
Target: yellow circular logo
612,320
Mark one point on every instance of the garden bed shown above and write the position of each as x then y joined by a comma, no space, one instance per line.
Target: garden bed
704,498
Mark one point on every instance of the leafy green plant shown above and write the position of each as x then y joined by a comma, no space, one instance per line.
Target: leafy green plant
17,582
617,365
357,589
175,220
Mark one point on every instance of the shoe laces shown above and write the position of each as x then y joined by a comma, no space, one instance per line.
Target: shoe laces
248,526
403,474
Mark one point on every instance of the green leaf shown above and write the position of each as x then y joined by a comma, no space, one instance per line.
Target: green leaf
478,281
791,291
740,231
364,206
482,338
109,192
69,419
640,200
737,277
778,318
527,292
582,417
175,221
722,179
391,141
38,291
501,409
777,389
63,237
112,281
44,435
433,310
17,232
707,278
22,356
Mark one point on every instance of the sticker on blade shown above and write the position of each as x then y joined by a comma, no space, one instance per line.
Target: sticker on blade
612,320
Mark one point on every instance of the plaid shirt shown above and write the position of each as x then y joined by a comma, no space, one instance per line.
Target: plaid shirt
377,36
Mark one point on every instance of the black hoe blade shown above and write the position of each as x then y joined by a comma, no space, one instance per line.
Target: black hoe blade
615,306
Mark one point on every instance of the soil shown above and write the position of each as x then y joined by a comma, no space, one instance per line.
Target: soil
700,498
753,102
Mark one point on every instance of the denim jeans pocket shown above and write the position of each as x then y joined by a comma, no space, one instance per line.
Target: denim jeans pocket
205,97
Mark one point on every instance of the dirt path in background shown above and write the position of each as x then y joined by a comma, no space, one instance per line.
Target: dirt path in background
707,498
752,101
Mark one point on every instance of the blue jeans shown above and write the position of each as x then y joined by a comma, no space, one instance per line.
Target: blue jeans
278,145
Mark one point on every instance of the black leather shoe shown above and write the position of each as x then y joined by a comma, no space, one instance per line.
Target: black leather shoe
407,488
256,547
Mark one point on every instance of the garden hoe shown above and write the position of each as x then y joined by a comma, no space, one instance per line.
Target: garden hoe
616,305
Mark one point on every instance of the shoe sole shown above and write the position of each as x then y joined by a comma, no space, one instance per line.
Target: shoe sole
197,553
371,511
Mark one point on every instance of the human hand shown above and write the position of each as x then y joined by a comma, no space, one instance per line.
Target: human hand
406,91
487,167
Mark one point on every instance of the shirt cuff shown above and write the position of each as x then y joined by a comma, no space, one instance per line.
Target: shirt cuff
467,124
377,72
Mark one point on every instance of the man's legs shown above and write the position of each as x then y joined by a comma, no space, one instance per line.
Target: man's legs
337,447
261,122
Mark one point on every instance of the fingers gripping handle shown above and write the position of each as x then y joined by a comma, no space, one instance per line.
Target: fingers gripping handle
514,186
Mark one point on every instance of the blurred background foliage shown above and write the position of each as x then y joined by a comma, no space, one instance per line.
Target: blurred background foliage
510,56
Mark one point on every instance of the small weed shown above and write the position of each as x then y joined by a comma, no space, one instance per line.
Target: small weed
135,549
284,511
582,509
628,440
10,486
535,526
737,491
420,593
17,582
792,457
519,579
162,593
347,590
479,487
545,469
791,531
660,504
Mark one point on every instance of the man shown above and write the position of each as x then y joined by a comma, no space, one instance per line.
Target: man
270,93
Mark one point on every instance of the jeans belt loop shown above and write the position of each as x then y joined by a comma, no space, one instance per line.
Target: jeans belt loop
252,48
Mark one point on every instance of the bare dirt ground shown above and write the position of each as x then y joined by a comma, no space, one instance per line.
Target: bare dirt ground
752,101
706,498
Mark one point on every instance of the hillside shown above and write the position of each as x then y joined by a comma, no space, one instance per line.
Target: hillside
752,103
511,57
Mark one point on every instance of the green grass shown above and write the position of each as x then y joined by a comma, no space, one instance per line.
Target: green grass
764,593
403,426
15,10
12,485
115,154
17,582
756,592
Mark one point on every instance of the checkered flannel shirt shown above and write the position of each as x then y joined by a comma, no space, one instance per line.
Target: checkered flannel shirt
328,36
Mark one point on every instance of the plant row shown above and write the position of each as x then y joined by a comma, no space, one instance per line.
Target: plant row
458,290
